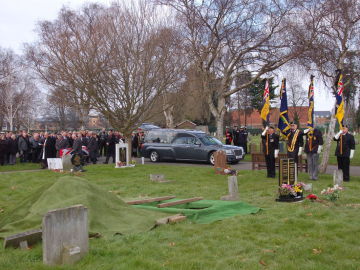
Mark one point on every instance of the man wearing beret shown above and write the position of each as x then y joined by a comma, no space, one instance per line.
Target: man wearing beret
270,141
295,142
345,150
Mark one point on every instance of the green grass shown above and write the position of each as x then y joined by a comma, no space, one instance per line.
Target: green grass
20,167
285,236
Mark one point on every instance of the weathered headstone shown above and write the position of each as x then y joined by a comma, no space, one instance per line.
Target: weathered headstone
233,189
287,171
220,162
66,161
338,177
65,235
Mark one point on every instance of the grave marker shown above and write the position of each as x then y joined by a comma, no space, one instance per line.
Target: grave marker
24,239
220,162
287,171
338,177
233,189
65,235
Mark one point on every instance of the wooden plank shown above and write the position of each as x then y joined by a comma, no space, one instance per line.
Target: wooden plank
170,219
31,237
158,199
161,205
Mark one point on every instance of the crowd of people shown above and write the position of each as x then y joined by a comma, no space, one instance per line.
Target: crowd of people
39,146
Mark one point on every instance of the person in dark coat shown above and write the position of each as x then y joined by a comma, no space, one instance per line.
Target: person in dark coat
62,143
345,150
77,153
110,144
13,149
295,142
242,138
228,136
23,146
7,150
270,141
93,147
48,149
102,142
36,146
236,134
2,149
313,146
135,144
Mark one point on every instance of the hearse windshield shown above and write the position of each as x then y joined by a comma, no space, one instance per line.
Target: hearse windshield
208,140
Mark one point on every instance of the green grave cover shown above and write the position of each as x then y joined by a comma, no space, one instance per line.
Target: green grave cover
107,213
205,211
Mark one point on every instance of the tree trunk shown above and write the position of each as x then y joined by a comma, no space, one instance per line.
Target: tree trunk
129,143
329,138
169,116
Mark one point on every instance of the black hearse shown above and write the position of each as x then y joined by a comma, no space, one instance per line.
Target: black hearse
187,145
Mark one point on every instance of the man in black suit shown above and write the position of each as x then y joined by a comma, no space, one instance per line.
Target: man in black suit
93,146
295,142
48,149
345,151
270,141
110,143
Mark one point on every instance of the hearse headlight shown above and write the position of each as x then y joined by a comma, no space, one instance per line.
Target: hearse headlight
229,152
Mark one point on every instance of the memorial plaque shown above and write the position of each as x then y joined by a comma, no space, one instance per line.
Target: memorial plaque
287,171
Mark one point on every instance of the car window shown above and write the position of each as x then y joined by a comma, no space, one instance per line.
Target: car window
185,140
158,136
208,140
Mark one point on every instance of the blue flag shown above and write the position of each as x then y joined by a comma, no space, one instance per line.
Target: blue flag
283,124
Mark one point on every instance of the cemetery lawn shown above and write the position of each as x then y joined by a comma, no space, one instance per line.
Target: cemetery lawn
20,167
286,236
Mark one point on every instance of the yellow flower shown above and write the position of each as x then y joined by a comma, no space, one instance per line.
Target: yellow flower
297,189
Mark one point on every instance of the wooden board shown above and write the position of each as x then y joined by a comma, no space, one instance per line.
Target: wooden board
161,205
158,199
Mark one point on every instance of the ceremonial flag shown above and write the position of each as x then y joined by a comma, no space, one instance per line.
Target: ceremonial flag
339,108
310,122
283,124
266,103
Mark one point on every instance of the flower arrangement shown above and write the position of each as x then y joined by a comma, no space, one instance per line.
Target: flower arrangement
332,193
291,190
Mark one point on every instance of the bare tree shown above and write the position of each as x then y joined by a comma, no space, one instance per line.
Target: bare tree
226,37
335,47
114,59
17,90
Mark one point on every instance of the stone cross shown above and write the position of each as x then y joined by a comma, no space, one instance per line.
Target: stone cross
65,235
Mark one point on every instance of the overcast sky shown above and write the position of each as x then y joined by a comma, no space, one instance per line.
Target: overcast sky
18,20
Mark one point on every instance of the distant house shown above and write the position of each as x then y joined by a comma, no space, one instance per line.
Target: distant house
187,124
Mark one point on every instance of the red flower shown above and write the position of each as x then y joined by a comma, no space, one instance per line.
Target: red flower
312,197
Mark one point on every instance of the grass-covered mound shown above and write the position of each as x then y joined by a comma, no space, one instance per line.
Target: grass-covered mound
108,214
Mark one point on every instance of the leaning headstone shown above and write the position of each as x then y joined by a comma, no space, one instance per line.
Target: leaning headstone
338,177
233,189
55,164
65,235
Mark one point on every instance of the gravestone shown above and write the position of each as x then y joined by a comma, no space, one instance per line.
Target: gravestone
220,162
338,177
233,189
66,161
65,235
55,164
287,171
121,156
